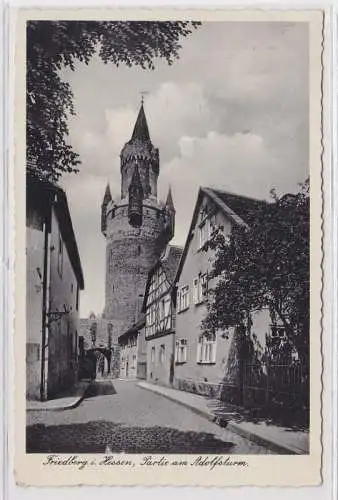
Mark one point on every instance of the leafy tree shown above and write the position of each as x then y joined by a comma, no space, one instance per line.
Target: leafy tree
265,264
52,45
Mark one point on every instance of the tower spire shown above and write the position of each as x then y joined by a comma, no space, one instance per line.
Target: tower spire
141,131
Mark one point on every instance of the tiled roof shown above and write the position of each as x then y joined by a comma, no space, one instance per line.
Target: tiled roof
134,328
240,209
170,261
244,207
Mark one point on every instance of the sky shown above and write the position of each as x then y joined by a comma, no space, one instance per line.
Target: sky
231,113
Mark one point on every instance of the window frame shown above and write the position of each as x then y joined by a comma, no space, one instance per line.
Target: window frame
181,350
200,293
184,298
206,349
161,355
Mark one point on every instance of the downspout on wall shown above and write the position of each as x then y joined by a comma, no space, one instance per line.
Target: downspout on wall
45,302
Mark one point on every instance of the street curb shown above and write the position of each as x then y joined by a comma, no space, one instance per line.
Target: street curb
193,409
70,406
255,438
231,425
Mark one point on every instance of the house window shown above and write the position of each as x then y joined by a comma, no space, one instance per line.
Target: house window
183,298
152,355
133,361
151,320
205,230
60,256
162,354
200,288
181,350
206,348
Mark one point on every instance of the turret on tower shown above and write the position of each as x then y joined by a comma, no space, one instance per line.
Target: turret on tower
106,199
170,213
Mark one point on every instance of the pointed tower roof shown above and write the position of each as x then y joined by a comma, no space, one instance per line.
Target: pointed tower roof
169,203
141,130
107,193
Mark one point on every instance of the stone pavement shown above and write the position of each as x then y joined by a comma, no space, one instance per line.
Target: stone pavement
278,439
120,417
65,401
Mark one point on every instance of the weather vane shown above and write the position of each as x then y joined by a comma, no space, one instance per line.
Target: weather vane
143,93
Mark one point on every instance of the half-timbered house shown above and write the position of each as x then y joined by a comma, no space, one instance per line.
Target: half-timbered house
159,309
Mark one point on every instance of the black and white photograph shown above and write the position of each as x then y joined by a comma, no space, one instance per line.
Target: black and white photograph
168,180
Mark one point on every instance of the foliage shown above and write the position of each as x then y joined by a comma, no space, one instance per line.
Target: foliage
52,45
265,264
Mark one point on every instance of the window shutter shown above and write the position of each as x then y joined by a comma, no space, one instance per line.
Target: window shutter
204,287
185,348
195,291
178,300
199,350
213,351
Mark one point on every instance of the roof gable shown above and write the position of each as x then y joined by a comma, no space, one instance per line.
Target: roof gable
239,209
169,263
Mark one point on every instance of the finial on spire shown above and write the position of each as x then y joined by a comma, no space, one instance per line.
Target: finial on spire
143,93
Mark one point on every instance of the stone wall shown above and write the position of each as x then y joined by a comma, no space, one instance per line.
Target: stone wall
99,334
102,332
131,253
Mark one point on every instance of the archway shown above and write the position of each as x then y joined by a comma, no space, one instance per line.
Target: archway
96,363
102,365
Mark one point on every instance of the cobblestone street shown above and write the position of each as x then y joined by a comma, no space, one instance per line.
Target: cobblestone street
119,416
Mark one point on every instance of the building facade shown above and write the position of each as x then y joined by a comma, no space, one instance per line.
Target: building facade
137,227
133,356
209,363
54,281
159,308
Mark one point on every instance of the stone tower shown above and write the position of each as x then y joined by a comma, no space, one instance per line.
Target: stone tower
137,227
